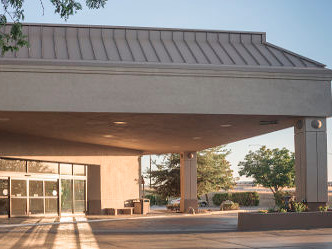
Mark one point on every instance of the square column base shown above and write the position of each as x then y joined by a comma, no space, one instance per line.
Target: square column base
314,206
188,204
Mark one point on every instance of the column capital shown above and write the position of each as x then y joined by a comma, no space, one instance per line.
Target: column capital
188,155
310,124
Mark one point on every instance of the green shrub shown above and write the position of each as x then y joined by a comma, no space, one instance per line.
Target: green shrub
219,198
323,208
299,207
279,198
229,205
283,210
246,198
156,200
242,198
152,199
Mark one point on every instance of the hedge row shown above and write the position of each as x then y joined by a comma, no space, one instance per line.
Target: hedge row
243,198
156,200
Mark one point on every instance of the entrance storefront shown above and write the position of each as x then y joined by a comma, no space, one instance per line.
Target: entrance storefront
38,188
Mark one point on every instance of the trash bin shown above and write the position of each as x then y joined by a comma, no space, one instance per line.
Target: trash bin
141,206
146,206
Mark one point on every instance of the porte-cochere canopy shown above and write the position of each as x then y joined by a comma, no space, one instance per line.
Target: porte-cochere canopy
174,88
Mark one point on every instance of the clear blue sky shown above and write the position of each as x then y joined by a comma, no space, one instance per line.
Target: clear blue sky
302,26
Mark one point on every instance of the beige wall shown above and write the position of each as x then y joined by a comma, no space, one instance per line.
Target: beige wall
114,173
119,180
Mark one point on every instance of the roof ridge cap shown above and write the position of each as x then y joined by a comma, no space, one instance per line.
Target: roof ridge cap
142,28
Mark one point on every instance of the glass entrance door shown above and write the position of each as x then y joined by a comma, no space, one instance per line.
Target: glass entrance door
36,197
4,194
18,197
79,200
33,197
51,196
37,188
66,196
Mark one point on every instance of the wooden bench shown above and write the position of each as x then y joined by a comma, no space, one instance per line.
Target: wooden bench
116,211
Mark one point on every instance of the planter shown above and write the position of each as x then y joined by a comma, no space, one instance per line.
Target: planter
270,221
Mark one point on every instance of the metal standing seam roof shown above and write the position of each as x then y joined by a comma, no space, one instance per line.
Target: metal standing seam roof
153,45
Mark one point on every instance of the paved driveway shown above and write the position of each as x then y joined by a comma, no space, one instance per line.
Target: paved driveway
211,231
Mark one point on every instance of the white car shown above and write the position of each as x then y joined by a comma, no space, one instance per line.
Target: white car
201,203
176,201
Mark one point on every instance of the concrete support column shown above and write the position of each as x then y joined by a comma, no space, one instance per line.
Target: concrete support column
311,161
188,181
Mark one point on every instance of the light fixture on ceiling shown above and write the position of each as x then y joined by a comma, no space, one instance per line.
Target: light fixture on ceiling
120,123
4,119
108,136
225,125
197,138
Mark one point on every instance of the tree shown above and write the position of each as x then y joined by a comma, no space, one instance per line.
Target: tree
13,38
166,179
273,169
213,173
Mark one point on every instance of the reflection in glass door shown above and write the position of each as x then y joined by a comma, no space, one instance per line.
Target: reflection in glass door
18,197
4,193
51,197
36,197
66,196
79,201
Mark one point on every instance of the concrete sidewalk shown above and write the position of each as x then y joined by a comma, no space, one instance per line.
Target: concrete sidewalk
155,213
195,231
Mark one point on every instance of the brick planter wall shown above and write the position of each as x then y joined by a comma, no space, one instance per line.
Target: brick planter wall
270,221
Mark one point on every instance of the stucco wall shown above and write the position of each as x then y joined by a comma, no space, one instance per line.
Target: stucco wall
163,91
119,180
114,173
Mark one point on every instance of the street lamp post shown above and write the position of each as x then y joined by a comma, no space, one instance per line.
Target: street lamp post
150,171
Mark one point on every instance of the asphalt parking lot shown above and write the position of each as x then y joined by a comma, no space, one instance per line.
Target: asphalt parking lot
199,231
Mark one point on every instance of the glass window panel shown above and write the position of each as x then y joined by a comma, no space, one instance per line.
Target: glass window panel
36,206
51,188
4,206
51,205
43,167
79,187
19,206
4,187
36,188
66,195
19,188
12,165
80,206
79,170
66,169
